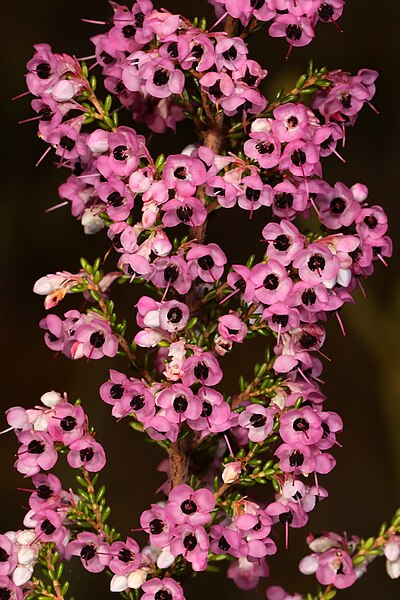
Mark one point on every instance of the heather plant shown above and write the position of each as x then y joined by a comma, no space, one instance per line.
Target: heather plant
241,469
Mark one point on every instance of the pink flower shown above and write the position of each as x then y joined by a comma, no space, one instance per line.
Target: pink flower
191,541
188,506
93,552
125,557
206,261
87,453
36,452
157,589
258,420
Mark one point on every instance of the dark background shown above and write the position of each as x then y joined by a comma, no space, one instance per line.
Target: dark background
362,383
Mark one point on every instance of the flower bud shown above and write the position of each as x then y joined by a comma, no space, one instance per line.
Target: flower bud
137,578
231,472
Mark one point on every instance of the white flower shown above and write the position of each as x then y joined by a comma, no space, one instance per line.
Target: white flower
22,574
137,578
393,568
119,583
231,472
91,223
165,558
51,399
308,565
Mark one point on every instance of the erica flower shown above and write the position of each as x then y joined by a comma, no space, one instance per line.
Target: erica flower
92,550
188,506
162,589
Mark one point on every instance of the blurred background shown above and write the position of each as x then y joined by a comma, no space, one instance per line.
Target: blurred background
362,382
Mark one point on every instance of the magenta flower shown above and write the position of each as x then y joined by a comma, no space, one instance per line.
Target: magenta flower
67,423
232,328
202,367
87,453
49,526
125,557
179,403
8,556
183,174
317,264
215,413
92,550
246,574
94,339
36,452
272,282
158,525
162,589
206,262
258,420
191,541
263,147
188,506
301,427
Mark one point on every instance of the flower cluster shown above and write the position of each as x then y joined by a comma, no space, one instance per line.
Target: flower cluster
250,154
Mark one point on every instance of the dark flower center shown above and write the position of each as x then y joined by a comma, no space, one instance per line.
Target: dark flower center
265,147
293,31
115,199
286,517
128,31
47,527
97,339
215,90
156,526
190,542
88,552
252,195
218,191
307,340
163,595
46,114
173,49
188,506
117,391
325,12
86,454
281,242
206,262
180,404
296,459
326,430
207,409
280,319
223,544
301,425
120,152
316,262
292,122
67,143
346,100
337,206
125,555
52,337
258,420
201,371
230,54
257,4
171,273
106,58
68,423
160,77
298,157
4,556
36,447
184,213
371,221
44,492
271,282
174,315
139,20
283,200
308,297
180,173
43,70
5,593
137,402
